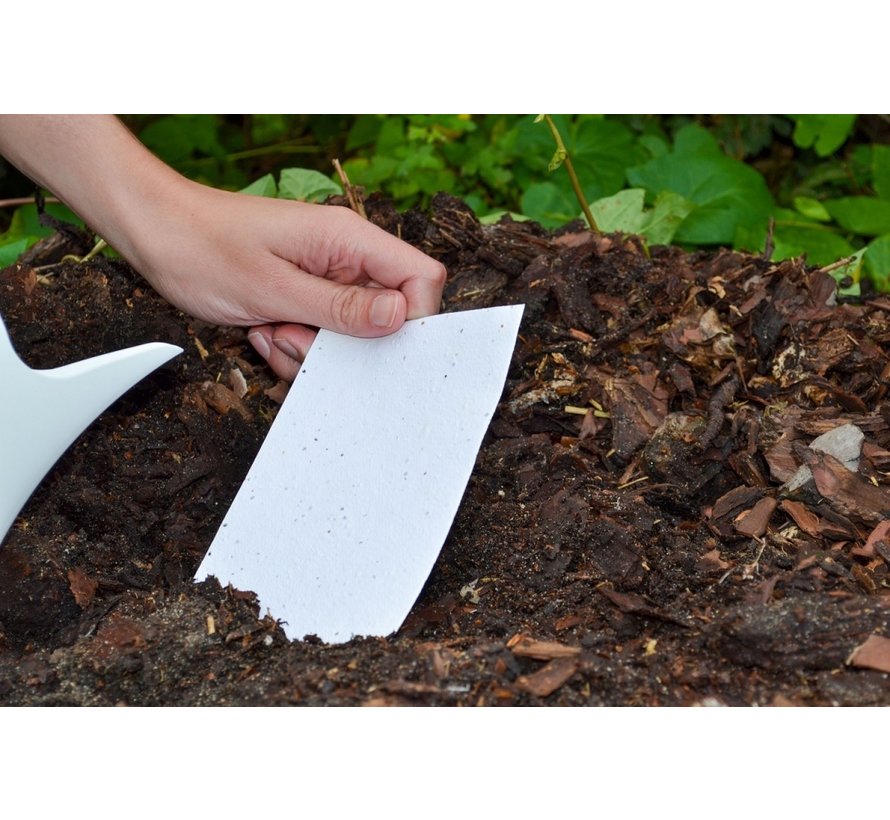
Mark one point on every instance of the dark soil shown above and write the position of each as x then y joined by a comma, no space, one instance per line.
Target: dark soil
625,537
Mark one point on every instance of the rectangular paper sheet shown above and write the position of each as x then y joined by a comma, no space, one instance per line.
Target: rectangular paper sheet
351,496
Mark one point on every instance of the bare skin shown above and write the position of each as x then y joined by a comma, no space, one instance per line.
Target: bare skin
282,268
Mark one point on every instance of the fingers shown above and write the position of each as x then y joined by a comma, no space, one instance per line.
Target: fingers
397,264
387,260
285,366
294,340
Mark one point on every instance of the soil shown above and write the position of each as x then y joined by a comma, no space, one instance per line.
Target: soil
628,536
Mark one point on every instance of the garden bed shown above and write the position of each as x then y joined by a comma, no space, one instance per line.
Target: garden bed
627,536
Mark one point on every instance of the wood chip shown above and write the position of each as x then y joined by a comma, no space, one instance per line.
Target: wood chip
527,647
237,382
880,533
222,399
547,680
83,588
634,604
846,492
740,497
873,654
807,521
754,522
279,392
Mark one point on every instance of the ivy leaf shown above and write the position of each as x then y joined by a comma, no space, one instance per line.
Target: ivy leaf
307,185
823,132
264,186
861,214
728,194
877,262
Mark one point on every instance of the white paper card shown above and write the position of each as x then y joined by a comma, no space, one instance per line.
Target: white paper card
351,496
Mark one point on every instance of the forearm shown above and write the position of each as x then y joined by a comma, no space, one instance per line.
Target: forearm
96,167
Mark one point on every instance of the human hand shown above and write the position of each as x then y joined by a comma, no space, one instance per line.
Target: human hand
284,268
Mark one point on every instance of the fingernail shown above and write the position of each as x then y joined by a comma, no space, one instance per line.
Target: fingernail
384,309
287,348
258,340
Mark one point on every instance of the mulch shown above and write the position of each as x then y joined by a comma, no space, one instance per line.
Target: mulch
682,499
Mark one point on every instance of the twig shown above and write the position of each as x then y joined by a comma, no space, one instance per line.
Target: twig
355,201
839,264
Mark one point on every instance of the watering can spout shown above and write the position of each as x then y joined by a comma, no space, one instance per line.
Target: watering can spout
43,411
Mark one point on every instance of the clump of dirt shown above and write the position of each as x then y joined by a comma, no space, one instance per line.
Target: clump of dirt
647,522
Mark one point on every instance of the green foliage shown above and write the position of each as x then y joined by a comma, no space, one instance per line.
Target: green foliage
877,262
697,180
728,194
11,250
861,214
306,184
823,132
625,212
796,235
25,229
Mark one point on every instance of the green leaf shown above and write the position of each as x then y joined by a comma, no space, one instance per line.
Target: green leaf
796,235
264,186
728,194
391,136
549,204
811,208
861,214
657,146
851,271
877,262
602,151
625,212
364,131
495,216
620,212
26,222
823,132
306,184
880,169
178,137
663,220
559,157
12,250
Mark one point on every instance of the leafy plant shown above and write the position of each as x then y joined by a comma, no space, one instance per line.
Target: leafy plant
697,180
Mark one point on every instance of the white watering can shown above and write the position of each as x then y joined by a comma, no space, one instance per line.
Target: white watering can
43,411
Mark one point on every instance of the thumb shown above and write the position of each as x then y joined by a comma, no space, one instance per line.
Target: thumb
366,311
354,310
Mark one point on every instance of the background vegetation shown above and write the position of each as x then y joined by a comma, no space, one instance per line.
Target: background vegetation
693,180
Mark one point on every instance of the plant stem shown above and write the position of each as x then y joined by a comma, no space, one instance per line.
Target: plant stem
576,185
355,201
23,200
